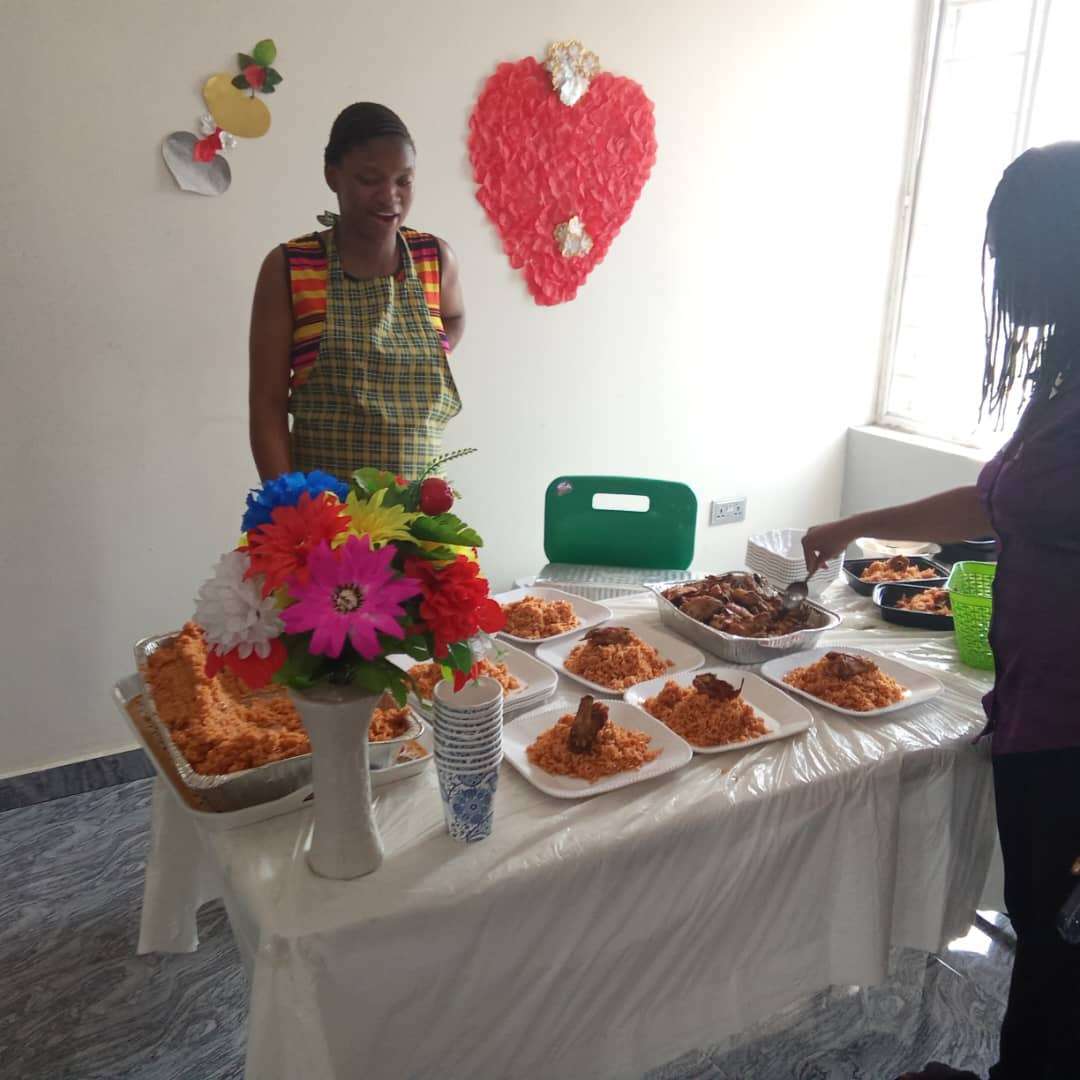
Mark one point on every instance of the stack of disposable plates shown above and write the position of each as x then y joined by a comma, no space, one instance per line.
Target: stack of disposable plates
538,681
778,556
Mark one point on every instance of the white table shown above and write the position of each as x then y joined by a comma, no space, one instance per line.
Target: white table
603,936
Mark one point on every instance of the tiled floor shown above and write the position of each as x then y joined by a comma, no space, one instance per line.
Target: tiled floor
76,1002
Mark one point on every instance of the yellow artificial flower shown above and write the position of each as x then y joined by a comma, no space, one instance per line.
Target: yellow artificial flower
381,523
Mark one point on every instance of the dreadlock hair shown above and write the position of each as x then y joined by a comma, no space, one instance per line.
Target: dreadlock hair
1032,308
357,124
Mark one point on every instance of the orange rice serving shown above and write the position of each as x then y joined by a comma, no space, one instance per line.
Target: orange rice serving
898,568
616,750
428,676
389,722
218,724
704,719
534,618
931,601
852,682
615,657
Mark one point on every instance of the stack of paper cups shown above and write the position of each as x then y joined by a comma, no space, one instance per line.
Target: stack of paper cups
468,750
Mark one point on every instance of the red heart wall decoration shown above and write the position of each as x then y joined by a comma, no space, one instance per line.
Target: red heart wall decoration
539,163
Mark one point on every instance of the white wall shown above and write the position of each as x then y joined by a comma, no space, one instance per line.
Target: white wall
884,468
729,339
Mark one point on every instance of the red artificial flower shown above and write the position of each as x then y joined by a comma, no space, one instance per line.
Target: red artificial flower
205,149
254,671
455,603
281,549
255,75
462,677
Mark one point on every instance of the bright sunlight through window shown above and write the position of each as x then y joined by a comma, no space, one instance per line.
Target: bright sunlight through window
1000,76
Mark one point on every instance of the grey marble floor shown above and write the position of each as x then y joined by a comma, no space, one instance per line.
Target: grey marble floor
76,1003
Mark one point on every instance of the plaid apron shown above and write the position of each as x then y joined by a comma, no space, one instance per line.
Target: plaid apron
381,392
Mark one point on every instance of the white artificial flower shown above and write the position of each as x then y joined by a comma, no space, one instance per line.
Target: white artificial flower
207,124
228,142
233,612
572,68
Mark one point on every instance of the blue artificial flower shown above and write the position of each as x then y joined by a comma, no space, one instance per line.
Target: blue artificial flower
285,490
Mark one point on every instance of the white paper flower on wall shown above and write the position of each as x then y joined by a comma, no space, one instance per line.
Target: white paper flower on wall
572,67
572,238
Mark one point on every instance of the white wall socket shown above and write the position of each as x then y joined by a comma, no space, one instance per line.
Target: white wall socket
727,511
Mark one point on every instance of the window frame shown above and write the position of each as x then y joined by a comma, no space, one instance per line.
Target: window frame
924,81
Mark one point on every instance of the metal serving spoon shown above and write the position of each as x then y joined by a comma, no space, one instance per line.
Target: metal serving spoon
794,596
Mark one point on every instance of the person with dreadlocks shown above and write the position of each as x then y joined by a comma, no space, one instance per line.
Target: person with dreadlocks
1029,496
351,327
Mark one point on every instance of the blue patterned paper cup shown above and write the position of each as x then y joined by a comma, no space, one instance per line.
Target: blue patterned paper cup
468,746
468,800
477,696
473,764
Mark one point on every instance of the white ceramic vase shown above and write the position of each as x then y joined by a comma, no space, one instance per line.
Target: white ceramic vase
345,842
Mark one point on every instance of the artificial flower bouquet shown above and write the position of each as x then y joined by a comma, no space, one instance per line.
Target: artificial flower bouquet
329,579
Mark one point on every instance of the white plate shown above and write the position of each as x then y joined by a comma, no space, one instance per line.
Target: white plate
781,716
518,736
510,711
918,685
537,678
684,657
588,611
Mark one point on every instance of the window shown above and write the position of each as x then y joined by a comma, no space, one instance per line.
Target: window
1000,76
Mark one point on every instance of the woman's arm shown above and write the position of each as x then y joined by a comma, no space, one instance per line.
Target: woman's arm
953,515
452,299
268,386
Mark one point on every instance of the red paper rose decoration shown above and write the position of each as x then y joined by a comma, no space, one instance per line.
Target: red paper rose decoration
538,163
455,603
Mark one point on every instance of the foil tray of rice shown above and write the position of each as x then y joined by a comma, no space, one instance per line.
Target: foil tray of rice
243,787
754,646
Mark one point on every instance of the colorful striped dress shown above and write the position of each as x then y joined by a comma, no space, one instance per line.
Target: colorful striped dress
370,382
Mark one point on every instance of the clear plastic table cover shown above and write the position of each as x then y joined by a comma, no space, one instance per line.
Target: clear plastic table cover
603,936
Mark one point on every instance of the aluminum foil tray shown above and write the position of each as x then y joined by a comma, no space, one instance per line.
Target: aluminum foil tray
741,650
232,791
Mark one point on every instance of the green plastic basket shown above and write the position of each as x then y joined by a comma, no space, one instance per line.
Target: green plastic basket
971,597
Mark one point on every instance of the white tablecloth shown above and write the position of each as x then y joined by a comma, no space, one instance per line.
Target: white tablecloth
603,936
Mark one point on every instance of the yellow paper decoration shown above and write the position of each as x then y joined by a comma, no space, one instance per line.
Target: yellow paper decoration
235,111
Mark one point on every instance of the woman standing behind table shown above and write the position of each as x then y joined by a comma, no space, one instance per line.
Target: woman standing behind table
351,327
1030,496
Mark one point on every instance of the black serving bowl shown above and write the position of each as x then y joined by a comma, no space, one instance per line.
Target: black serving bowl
984,549
887,593
854,567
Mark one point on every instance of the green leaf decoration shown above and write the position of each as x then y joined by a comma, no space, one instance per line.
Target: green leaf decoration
446,529
461,657
266,89
240,81
399,690
368,481
437,463
244,60
416,647
302,669
372,677
273,78
265,52
439,554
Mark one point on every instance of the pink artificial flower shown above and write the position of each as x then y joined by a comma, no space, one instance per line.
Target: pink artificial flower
352,592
